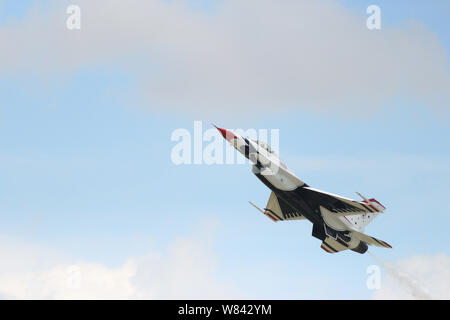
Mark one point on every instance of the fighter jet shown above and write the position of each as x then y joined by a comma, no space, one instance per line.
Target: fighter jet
338,221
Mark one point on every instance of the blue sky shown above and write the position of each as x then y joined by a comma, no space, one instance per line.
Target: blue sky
86,169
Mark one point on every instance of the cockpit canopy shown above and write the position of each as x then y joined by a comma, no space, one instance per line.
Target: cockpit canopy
263,145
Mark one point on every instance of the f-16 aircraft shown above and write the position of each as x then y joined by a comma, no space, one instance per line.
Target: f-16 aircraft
339,222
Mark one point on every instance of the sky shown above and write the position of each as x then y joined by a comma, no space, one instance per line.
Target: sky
92,205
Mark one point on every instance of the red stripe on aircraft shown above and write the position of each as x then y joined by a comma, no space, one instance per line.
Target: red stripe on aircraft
386,244
325,249
347,219
370,205
270,216
374,200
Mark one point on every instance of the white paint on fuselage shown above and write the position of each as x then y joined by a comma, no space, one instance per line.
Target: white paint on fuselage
272,169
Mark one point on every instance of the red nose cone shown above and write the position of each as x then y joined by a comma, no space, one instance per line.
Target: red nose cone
228,135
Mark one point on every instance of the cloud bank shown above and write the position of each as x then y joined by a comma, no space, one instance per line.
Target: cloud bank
185,271
239,56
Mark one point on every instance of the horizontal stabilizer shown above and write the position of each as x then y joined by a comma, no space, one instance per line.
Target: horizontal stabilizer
371,240
331,245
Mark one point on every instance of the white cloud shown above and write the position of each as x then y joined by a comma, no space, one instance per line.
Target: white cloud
244,55
185,271
96,282
419,277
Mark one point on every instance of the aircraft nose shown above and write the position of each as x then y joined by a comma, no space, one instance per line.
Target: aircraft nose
227,134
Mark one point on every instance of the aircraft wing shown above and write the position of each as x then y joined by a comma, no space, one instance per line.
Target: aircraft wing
339,206
276,209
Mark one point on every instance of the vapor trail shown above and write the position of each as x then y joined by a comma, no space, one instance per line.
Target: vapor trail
409,283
